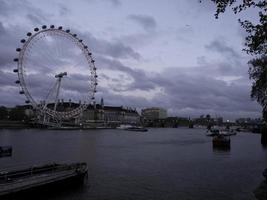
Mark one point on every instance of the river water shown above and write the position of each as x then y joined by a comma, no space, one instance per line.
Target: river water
159,164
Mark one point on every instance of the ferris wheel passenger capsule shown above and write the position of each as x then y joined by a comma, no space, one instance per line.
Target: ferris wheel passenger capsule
44,27
15,70
52,26
23,41
74,35
92,61
18,49
15,59
21,92
17,82
80,40
36,29
89,53
68,30
27,101
29,34
60,27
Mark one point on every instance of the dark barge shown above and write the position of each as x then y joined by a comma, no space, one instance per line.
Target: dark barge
221,141
5,151
40,176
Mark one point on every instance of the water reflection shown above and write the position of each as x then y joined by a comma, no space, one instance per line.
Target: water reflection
221,149
221,144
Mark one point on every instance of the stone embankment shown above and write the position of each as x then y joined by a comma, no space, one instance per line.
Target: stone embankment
13,124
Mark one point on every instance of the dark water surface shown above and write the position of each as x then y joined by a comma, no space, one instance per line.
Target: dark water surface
159,164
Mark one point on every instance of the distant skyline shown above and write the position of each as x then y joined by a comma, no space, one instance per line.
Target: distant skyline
165,53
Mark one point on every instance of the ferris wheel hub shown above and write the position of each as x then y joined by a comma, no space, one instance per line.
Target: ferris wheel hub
60,75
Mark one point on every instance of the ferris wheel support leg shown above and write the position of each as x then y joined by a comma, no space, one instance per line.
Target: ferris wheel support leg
57,93
44,119
50,93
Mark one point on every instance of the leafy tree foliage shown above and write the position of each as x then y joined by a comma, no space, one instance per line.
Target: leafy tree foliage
258,72
256,44
3,112
17,113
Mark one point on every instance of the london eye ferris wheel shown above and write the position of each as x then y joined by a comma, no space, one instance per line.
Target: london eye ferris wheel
54,65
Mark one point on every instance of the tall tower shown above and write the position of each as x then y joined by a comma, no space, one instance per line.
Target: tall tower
102,103
102,112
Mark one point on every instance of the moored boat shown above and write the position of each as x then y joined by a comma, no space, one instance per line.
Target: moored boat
5,151
128,127
213,132
13,181
221,141
224,132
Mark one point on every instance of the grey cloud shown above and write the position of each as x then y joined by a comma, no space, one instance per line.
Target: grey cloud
113,49
147,22
139,76
115,2
35,19
220,46
201,92
119,100
63,10
185,33
24,9
233,66
139,40
4,8
2,29
7,78
11,96
9,42
118,50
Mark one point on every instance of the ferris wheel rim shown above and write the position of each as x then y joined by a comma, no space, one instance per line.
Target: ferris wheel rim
89,60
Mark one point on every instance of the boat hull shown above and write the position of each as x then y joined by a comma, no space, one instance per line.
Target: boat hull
137,129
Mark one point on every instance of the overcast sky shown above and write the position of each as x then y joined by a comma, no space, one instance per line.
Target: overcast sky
166,53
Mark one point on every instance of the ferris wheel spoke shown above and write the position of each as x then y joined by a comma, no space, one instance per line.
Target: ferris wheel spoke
35,64
48,53
59,47
42,58
50,94
57,50
78,63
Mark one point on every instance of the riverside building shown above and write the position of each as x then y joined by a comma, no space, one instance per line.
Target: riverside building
154,113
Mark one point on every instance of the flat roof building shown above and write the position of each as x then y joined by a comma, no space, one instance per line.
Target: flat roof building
154,113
